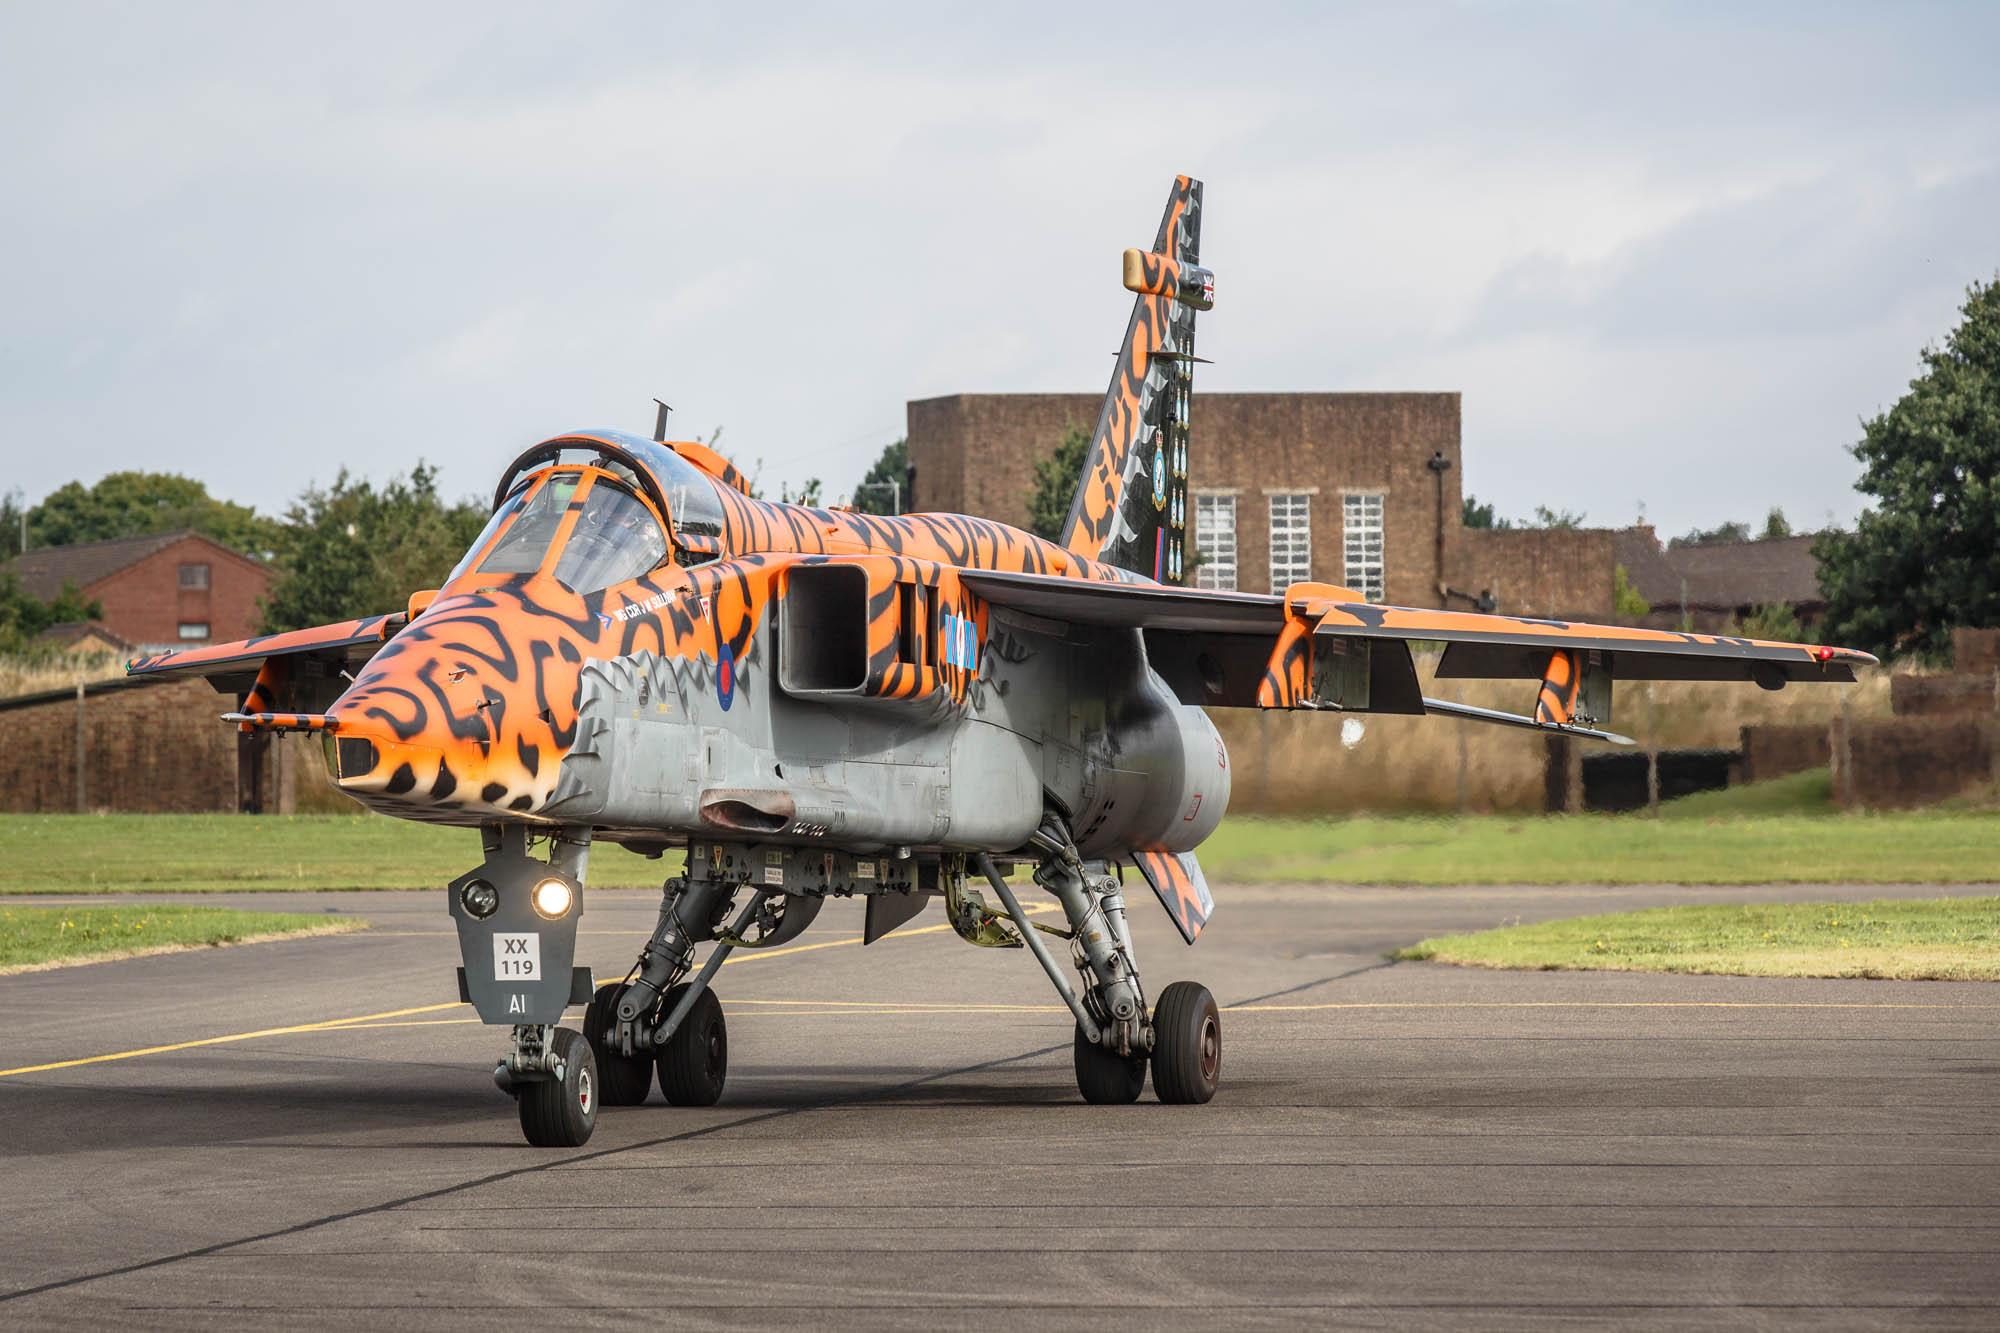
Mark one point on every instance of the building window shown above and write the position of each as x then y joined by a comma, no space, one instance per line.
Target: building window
1215,542
1291,539
1361,530
193,577
194,629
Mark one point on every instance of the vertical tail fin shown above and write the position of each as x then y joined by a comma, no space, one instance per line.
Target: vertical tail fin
1130,508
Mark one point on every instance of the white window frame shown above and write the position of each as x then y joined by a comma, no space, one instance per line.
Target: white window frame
201,628
1291,538
1362,542
1215,540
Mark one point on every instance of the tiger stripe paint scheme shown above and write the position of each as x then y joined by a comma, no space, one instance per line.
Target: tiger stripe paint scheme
1131,508
1176,879
471,707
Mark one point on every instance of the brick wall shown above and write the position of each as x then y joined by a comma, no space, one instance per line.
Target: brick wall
150,749
1940,696
1912,761
976,454
145,604
1778,750
1975,651
1539,571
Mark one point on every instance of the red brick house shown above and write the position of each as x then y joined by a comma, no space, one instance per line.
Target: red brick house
169,590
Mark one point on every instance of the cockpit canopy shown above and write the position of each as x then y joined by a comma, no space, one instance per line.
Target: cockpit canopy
595,523
613,537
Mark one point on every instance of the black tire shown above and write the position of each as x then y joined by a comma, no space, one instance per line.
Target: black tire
1106,1078
695,1061
561,1112
1187,1045
622,1080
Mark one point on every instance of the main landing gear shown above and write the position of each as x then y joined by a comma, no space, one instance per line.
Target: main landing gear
1116,1039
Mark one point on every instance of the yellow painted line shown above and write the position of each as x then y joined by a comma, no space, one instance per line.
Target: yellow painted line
914,1004
1582,1004
375,1019
322,1026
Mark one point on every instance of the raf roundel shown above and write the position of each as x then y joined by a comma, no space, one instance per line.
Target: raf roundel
725,676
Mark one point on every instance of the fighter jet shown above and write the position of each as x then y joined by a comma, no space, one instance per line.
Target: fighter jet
799,703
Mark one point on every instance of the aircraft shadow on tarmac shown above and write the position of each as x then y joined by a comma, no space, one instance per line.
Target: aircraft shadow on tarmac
51,1119
215,1104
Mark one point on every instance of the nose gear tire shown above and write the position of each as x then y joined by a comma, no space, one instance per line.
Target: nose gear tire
1106,1078
695,1061
1187,1044
622,1080
561,1112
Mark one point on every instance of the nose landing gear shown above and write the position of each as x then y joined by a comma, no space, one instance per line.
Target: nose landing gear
559,1110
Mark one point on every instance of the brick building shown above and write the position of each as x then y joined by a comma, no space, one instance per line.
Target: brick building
169,590
1361,490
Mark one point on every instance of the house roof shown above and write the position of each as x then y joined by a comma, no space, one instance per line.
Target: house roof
1646,569
70,631
44,571
1781,570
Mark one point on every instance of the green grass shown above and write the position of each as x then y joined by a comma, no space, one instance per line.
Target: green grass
1807,793
1912,848
1706,839
32,937
256,853
1950,939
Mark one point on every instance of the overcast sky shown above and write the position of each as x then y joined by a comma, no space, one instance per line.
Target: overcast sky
1670,255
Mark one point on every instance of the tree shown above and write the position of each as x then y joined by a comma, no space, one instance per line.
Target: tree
1477,515
134,504
807,494
1560,520
1774,620
13,513
1056,480
1726,534
1775,525
1625,599
886,487
1926,557
23,615
353,550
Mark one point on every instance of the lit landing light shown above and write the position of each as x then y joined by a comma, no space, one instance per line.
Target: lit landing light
552,898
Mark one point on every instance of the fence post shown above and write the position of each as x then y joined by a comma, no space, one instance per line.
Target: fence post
1464,784
82,791
1652,757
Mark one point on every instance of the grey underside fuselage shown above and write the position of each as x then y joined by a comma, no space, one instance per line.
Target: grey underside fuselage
1055,713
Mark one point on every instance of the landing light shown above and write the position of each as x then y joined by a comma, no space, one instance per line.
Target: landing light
479,898
552,898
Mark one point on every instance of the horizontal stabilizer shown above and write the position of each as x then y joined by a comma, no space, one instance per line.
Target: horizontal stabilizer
1445,708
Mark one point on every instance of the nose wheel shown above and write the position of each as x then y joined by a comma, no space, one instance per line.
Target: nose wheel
560,1112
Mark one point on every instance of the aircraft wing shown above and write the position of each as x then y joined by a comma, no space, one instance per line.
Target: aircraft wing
1256,650
297,669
